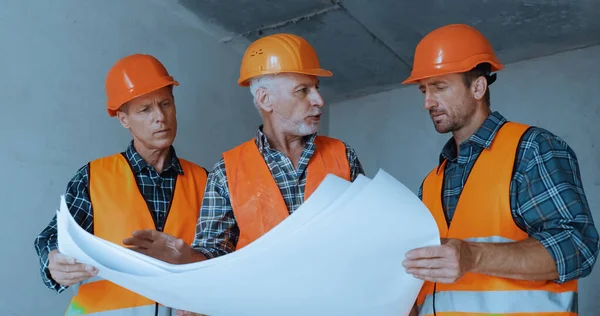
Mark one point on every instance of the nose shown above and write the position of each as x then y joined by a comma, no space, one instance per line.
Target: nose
316,99
160,114
430,101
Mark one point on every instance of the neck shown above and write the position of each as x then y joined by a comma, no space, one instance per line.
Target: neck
289,145
157,158
473,124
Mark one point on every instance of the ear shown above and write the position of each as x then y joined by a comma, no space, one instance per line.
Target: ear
479,87
123,119
264,100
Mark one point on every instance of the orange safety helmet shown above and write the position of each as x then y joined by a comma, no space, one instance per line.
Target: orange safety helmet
133,76
280,53
449,49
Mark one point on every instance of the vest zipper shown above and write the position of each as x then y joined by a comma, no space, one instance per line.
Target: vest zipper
150,208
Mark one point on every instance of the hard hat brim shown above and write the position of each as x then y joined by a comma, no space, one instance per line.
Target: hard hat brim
245,81
112,108
450,68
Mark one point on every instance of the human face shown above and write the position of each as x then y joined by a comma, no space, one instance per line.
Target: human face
296,104
450,103
151,119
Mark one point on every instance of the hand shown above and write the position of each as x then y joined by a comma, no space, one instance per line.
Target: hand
66,271
160,246
185,313
444,264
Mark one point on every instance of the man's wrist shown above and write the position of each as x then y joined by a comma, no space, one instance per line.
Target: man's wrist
475,257
193,256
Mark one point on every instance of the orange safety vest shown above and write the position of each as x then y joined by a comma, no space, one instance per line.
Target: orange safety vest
119,209
257,203
483,214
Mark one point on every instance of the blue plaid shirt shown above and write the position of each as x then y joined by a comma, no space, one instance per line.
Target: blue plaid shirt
157,190
546,193
217,232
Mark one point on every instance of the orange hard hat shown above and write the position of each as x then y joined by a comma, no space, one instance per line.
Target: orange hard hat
133,76
280,53
449,49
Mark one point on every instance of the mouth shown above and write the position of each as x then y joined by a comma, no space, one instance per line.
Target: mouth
316,117
436,115
162,131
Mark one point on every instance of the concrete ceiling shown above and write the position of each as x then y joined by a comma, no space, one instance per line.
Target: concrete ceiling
369,45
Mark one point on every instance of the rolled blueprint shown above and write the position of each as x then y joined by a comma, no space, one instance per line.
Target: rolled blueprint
340,253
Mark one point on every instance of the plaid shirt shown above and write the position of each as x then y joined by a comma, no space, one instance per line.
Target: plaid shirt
217,232
156,189
546,194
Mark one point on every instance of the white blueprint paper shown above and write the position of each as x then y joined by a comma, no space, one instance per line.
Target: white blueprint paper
340,253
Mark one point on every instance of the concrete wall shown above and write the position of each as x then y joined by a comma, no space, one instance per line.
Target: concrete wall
54,60
53,63
391,130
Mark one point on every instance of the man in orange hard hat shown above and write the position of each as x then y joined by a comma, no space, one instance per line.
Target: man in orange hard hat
283,163
139,188
508,200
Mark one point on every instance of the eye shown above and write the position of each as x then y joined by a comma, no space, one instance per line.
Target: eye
144,109
303,90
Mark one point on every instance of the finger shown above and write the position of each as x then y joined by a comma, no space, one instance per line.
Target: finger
434,279
75,276
149,234
442,273
425,252
424,263
71,268
65,278
137,242
69,282
60,258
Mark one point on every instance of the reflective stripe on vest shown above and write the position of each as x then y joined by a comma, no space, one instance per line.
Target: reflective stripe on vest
500,302
255,197
119,209
148,310
483,214
497,239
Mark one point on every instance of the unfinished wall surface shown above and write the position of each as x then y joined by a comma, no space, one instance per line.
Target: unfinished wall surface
54,60
391,130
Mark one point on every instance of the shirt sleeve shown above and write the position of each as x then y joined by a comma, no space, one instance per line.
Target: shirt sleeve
217,232
356,167
550,204
79,205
